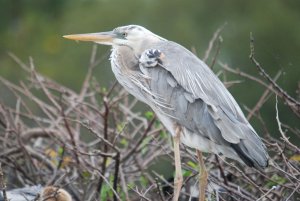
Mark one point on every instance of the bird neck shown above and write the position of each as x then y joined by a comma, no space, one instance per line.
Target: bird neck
125,57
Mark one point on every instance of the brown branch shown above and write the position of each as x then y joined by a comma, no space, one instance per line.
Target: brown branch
281,131
139,141
212,41
116,175
221,170
71,135
217,52
262,99
292,103
105,147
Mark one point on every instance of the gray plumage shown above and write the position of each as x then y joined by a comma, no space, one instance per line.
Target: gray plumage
37,193
182,90
23,194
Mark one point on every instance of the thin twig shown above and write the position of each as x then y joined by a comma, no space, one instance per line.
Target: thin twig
281,131
293,104
212,41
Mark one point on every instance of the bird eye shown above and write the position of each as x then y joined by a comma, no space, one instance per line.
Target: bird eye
124,34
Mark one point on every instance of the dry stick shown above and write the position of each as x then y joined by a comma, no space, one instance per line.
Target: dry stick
212,41
281,153
292,193
268,192
221,170
123,183
3,184
47,109
7,120
99,136
244,175
272,180
293,130
281,131
66,112
13,164
235,191
129,153
69,130
27,154
245,75
86,85
17,117
44,88
141,196
105,147
65,115
95,153
292,103
158,190
103,176
28,70
18,61
2,123
24,90
217,52
262,99
17,124
149,188
116,175
14,89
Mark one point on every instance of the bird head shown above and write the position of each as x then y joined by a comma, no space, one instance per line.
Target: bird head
132,36
51,193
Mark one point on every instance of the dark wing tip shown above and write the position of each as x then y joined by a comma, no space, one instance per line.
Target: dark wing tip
250,161
242,155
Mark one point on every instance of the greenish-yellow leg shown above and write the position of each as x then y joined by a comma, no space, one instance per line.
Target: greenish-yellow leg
178,173
202,176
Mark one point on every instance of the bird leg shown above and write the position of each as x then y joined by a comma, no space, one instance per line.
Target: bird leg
178,173
202,176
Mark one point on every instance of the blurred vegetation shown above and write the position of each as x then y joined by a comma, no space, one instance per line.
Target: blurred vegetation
34,28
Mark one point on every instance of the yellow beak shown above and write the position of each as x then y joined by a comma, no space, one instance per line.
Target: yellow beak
102,37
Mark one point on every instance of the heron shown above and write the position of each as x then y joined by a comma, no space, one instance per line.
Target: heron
38,193
187,97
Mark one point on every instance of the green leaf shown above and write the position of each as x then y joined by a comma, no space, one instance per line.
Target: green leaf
60,151
163,134
120,127
186,173
131,185
86,174
276,180
192,164
104,90
104,192
149,115
124,142
144,181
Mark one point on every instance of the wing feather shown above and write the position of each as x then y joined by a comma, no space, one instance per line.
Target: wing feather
197,78
202,104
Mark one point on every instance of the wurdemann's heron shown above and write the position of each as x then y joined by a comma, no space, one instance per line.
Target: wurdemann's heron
188,98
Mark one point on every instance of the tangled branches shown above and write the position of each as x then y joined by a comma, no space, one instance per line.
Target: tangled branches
94,144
